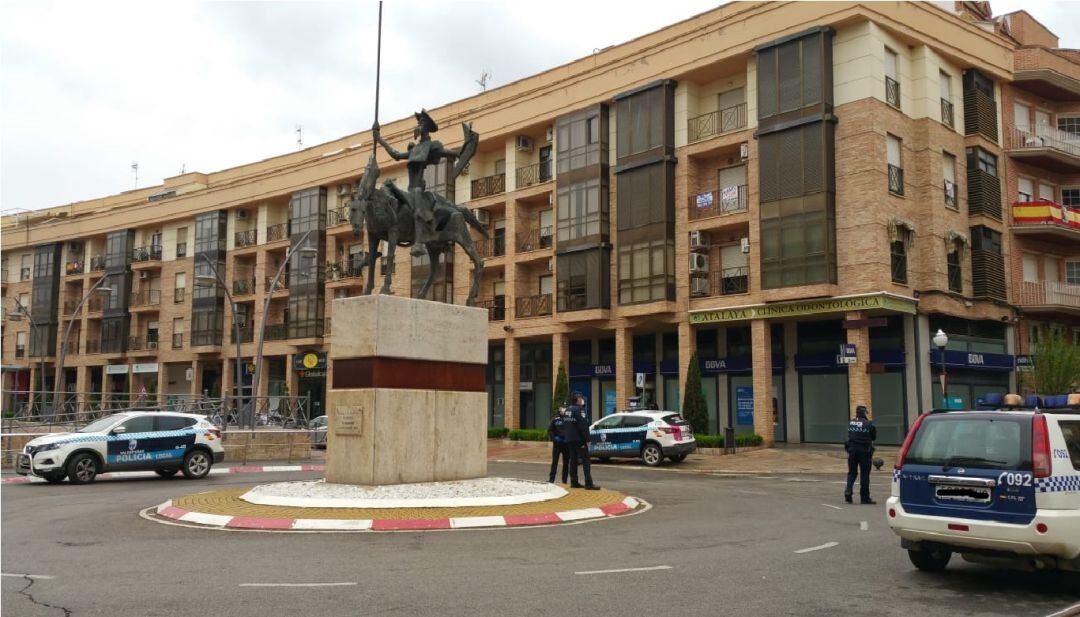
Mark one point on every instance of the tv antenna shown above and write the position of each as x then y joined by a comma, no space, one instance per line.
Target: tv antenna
485,75
299,136
135,168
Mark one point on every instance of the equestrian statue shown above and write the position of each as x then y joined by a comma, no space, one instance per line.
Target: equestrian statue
416,217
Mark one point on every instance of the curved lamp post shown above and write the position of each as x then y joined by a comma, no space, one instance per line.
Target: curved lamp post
59,377
209,281
940,340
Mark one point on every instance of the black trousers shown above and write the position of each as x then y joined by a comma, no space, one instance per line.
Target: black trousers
559,450
858,464
579,455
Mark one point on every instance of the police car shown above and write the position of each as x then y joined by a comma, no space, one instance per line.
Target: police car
999,487
163,442
650,435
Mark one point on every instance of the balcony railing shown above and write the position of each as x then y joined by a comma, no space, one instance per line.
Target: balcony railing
247,335
146,253
1042,136
178,340
243,287
336,271
716,122
488,185
728,200
282,283
950,194
245,238
20,351
532,306
1049,293
892,92
947,113
277,232
496,308
276,332
149,297
537,173
896,180
97,263
535,240
1043,212
181,249
723,282
494,246
178,295
74,267
339,216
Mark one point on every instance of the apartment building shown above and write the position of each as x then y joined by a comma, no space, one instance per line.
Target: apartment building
800,193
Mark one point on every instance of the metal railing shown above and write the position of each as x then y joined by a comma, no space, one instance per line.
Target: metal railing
537,173
535,239
74,267
146,253
947,113
97,263
532,306
892,92
337,271
488,185
178,340
494,246
277,232
716,122
181,249
728,200
247,335
149,297
178,295
1048,293
20,351
1042,136
950,194
243,286
37,411
496,308
245,238
896,179
276,332
338,216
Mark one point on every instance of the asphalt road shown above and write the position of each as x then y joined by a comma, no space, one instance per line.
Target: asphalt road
728,546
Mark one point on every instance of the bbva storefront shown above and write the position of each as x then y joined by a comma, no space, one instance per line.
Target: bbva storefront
831,354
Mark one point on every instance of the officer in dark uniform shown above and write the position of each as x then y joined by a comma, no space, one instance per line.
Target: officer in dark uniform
557,433
860,447
579,442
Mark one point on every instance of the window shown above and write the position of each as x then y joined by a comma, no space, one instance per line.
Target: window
1030,265
1051,272
181,242
1070,431
500,167
582,211
1072,272
1021,116
642,195
546,285
945,87
790,75
983,160
26,267
580,139
949,172
174,423
898,259
955,280
892,79
985,239
210,229
307,210
646,271
582,279
1025,189
1046,191
141,424
896,168
178,332
1070,125
437,179
1071,197
640,120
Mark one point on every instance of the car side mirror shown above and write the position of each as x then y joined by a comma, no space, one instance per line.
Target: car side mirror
119,430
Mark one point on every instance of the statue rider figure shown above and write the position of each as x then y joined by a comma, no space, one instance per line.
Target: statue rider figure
419,155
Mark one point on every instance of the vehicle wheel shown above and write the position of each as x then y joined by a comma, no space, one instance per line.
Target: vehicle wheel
652,455
82,469
54,478
197,464
930,560
168,472
677,458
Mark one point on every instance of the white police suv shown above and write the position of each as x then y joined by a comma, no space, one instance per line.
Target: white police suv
650,435
136,441
997,487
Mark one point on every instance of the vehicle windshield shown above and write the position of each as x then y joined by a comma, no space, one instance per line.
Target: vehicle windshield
978,442
674,419
99,425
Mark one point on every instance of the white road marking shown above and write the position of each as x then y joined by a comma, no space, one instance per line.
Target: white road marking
864,526
801,480
1070,611
817,548
297,584
648,569
43,577
832,506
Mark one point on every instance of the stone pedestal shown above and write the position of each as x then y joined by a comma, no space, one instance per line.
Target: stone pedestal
408,399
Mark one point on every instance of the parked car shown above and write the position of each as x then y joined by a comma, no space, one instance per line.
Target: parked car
999,487
135,441
318,428
649,435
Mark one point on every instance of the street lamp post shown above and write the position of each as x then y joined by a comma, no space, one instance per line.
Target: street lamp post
940,341
266,309
57,380
209,281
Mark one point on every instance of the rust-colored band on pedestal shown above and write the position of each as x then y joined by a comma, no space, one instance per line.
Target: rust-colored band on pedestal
401,373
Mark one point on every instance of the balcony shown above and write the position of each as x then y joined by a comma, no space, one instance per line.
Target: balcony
339,271
488,185
178,340
282,283
984,193
181,250
97,263
339,216
728,200
719,122
947,113
1046,73
1045,146
1046,218
724,282
530,175
147,298
892,92
277,232
178,295
247,335
246,238
496,308
532,306
494,246
74,267
535,240
896,180
276,332
243,286
147,346
146,253
1049,297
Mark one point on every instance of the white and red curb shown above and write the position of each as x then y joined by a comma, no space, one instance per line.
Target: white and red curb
214,472
169,511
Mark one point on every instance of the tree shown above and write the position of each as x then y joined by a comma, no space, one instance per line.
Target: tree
1057,366
562,390
694,409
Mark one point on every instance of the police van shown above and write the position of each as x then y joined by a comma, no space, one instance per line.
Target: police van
136,441
650,435
999,487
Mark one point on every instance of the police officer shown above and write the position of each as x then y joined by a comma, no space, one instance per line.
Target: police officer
578,441
557,432
860,447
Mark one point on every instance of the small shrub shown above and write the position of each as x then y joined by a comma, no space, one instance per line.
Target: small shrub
527,434
717,441
497,432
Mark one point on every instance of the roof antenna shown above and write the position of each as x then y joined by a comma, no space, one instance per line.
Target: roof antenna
135,168
485,75
183,168
299,137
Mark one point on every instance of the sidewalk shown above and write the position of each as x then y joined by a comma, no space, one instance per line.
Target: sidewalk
783,459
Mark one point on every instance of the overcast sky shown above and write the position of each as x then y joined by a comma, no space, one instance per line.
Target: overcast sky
88,88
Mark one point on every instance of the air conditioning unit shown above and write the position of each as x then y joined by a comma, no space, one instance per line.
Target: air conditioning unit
483,216
151,345
549,134
699,263
144,275
551,264
524,143
744,244
699,286
344,189
699,241
241,215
